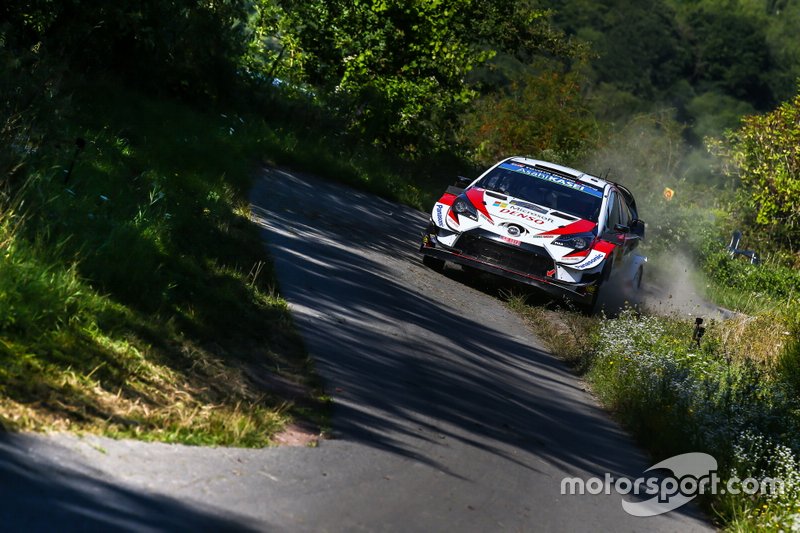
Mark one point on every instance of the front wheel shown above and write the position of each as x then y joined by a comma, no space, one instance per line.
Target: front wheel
590,308
433,263
595,305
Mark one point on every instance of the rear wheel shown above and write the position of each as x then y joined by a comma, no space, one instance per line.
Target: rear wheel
637,279
433,263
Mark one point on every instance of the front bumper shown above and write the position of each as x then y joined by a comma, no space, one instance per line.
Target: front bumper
514,268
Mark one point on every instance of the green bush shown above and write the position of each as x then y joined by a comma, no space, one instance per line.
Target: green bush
764,155
769,280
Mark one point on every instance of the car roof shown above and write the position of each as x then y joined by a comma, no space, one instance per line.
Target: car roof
568,172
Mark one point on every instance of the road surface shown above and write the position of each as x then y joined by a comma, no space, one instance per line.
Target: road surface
448,413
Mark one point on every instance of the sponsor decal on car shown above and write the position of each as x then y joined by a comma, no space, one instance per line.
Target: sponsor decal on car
597,258
439,216
509,240
532,213
521,206
552,178
532,207
524,214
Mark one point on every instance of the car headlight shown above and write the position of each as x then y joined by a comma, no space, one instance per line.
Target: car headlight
578,242
462,206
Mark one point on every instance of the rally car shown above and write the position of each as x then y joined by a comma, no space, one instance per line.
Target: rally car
553,227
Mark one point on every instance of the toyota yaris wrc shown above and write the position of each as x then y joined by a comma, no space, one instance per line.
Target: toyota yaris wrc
553,227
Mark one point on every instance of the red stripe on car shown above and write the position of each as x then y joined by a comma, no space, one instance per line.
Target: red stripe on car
579,226
476,197
604,246
453,216
581,253
447,199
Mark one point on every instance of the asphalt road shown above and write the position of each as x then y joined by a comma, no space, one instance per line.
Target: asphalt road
448,413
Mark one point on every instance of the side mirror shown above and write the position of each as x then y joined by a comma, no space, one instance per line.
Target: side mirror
461,181
637,227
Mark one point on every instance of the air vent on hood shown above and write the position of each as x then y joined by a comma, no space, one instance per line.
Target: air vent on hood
495,195
563,215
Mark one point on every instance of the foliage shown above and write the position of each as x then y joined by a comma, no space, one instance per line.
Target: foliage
543,115
189,46
397,70
730,53
134,293
765,155
727,397
716,399
707,59
716,112
391,66
783,19
772,281
612,26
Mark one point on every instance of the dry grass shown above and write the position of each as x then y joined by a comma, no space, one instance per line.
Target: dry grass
762,339
567,334
211,403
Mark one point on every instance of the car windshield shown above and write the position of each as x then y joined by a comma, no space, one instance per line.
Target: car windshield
544,188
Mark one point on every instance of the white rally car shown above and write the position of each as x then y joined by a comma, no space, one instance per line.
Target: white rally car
553,227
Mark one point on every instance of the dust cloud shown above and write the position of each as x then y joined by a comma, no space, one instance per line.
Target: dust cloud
651,157
674,288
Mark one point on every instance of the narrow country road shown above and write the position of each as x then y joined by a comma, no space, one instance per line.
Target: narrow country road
448,413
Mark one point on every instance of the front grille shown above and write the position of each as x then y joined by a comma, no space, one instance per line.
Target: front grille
532,260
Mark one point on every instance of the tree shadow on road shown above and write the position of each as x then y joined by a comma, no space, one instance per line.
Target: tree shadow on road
404,360
48,495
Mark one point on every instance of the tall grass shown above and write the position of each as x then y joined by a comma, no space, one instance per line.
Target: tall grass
734,396
128,300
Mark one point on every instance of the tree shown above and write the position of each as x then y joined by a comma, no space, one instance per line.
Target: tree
731,54
764,154
638,43
185,45
397,69
543,115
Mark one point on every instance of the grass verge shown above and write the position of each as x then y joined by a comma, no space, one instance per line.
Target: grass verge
136,298
735,396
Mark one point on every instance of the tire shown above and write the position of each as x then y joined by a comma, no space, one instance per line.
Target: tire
433,263
637,279
590,308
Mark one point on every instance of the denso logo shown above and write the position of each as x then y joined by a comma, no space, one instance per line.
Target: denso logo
526,214
517,212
